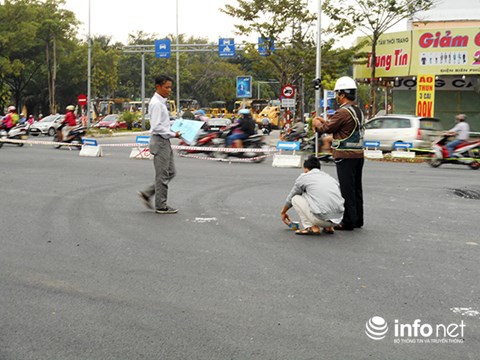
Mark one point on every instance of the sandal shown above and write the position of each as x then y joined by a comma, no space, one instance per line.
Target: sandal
307,231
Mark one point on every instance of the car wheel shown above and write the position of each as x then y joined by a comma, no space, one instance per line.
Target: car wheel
51,132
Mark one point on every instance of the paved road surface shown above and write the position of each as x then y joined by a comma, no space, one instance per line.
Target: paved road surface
86,272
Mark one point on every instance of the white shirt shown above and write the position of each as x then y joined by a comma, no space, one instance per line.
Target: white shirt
159,117
462,129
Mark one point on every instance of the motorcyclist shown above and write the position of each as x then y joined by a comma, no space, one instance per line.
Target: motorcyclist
243,127
266,125
11,119
460,131
297,131
69,122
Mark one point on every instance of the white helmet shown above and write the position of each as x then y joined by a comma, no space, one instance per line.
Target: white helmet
11,108
70,107
345,83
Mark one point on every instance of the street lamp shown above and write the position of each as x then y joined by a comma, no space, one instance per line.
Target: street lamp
89,71
178,67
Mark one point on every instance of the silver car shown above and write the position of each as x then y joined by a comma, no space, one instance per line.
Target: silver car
47,126
389,129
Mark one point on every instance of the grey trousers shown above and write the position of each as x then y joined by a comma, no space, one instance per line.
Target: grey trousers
164,170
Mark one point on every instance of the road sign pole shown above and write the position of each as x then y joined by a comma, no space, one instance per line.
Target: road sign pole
143,92
177,85
319,67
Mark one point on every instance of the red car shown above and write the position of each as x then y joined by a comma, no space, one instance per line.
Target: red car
111,122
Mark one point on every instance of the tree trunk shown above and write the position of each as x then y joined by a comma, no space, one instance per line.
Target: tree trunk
49,76
54,76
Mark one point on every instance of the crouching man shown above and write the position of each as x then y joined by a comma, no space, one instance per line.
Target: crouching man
316,198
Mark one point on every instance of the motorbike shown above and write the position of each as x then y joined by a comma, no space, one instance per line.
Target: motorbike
255,141
205,139
74,136
18,132
466,153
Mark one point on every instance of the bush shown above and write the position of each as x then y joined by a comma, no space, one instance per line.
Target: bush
129,117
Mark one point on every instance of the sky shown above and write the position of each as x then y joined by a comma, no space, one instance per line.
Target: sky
202,18
199,18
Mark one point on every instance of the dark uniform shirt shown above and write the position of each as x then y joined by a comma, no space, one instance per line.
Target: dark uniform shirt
341,125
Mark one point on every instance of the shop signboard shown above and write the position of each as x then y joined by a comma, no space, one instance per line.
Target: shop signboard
448,51
425,95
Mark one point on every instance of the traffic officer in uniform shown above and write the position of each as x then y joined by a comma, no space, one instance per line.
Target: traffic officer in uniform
347,127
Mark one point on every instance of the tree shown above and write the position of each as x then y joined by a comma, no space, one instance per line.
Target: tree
373,18
293,31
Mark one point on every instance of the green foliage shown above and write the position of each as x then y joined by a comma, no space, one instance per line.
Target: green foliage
129,117
373,18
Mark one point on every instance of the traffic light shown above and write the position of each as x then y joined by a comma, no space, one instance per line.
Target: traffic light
317,84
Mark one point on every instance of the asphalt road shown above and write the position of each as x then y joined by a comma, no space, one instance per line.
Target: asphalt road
87,272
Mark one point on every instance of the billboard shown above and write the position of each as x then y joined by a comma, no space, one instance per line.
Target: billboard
446,51
244,87
393,56
425,95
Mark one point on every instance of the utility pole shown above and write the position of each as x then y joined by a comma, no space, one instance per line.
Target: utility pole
89,71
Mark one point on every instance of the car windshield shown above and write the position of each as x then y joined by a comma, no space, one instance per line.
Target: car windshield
49,118
109,118
430,124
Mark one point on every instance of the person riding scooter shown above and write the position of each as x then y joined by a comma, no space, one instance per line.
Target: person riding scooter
460,131
11,119
68,124
243,127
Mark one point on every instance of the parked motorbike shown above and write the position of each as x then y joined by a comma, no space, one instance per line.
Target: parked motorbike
18,132
74,136
466,153
255,141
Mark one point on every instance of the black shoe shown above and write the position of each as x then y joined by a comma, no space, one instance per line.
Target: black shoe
342,227
145,199
166,210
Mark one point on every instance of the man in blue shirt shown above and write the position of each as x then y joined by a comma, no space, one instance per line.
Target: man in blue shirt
160,147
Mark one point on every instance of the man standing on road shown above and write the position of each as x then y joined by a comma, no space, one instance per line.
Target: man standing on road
316,198
160,147
346,125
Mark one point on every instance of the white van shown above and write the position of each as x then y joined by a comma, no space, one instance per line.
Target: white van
388,129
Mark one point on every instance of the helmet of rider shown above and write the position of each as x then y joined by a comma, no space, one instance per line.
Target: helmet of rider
11,108
70,107
200,112
243,112
345,83
461,117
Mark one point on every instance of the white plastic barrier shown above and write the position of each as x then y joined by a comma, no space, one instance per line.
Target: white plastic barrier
288,161
91,148
372,154
405,153
141,152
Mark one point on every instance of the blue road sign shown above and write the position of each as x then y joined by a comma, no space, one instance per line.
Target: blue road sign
373,144
244,86
402,145
226,48
89,142
143,139
263,44
162,49
288,145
